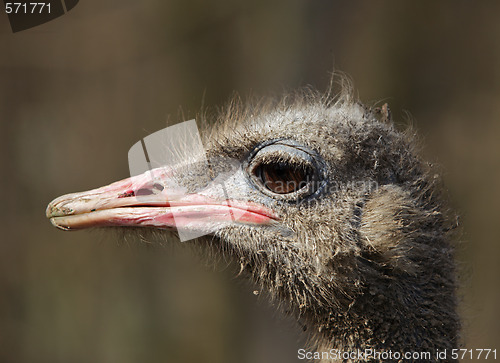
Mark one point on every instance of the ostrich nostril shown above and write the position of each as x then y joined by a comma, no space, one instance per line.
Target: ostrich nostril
143,192
155,189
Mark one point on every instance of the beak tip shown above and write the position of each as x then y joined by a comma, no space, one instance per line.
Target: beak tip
58,226
58,207
49,211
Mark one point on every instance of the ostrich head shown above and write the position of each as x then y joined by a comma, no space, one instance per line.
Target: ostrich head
330,211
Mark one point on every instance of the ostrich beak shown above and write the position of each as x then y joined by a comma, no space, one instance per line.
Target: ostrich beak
153,199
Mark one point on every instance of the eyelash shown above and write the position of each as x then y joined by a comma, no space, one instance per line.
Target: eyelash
285,170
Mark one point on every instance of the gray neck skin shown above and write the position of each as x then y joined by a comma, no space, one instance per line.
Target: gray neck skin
372,305
395,317
392,312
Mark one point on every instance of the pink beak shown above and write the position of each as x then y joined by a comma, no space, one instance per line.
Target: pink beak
153,200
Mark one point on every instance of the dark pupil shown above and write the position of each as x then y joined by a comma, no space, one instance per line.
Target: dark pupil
283,179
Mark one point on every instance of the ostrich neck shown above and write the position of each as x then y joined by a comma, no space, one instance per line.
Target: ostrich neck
408,315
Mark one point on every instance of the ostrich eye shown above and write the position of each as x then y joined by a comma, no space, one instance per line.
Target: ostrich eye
281,178
285,170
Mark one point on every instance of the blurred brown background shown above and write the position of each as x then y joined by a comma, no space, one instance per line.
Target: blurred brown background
77,92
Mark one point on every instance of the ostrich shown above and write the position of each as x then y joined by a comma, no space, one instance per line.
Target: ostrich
338,220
